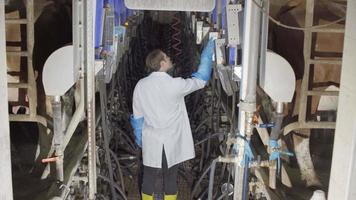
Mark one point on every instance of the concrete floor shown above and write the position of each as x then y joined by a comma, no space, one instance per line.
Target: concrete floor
28,186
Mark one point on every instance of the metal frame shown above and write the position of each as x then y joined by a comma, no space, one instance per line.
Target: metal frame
248,85
302,122
252,46
31,84
88,19
232,12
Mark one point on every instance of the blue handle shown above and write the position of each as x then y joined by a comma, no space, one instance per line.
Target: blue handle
267,125
276,153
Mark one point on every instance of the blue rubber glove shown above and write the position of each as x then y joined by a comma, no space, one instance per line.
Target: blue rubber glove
137,124
276,153
205,66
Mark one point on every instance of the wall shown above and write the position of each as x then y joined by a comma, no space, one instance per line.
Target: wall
5,158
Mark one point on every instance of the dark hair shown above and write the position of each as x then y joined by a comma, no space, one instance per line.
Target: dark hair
153,59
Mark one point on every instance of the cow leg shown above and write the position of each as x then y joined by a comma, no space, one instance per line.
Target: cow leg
302,151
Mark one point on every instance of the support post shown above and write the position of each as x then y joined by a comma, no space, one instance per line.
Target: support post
32,90
90,91
5,156
343,169
250,54
309,18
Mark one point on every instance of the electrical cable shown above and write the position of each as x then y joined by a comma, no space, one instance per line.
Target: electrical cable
223,195
106,179
199,181
211,179
211,136
119,169
306,28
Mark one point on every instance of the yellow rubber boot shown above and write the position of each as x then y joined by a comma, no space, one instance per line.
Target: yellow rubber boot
170,197
147,197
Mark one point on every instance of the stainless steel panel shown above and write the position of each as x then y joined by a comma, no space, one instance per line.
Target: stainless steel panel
186,5
233,24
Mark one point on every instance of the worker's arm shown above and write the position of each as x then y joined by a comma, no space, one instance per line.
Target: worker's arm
205,66
202,75
137,119
189,85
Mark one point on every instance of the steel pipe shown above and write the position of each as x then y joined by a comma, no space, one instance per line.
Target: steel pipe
250,55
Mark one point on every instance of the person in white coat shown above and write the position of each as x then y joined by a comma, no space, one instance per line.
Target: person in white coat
160,120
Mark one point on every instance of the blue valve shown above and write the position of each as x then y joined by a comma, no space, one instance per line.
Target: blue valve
276,153
267,125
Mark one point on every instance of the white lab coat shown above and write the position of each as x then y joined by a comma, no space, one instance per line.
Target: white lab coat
159,98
